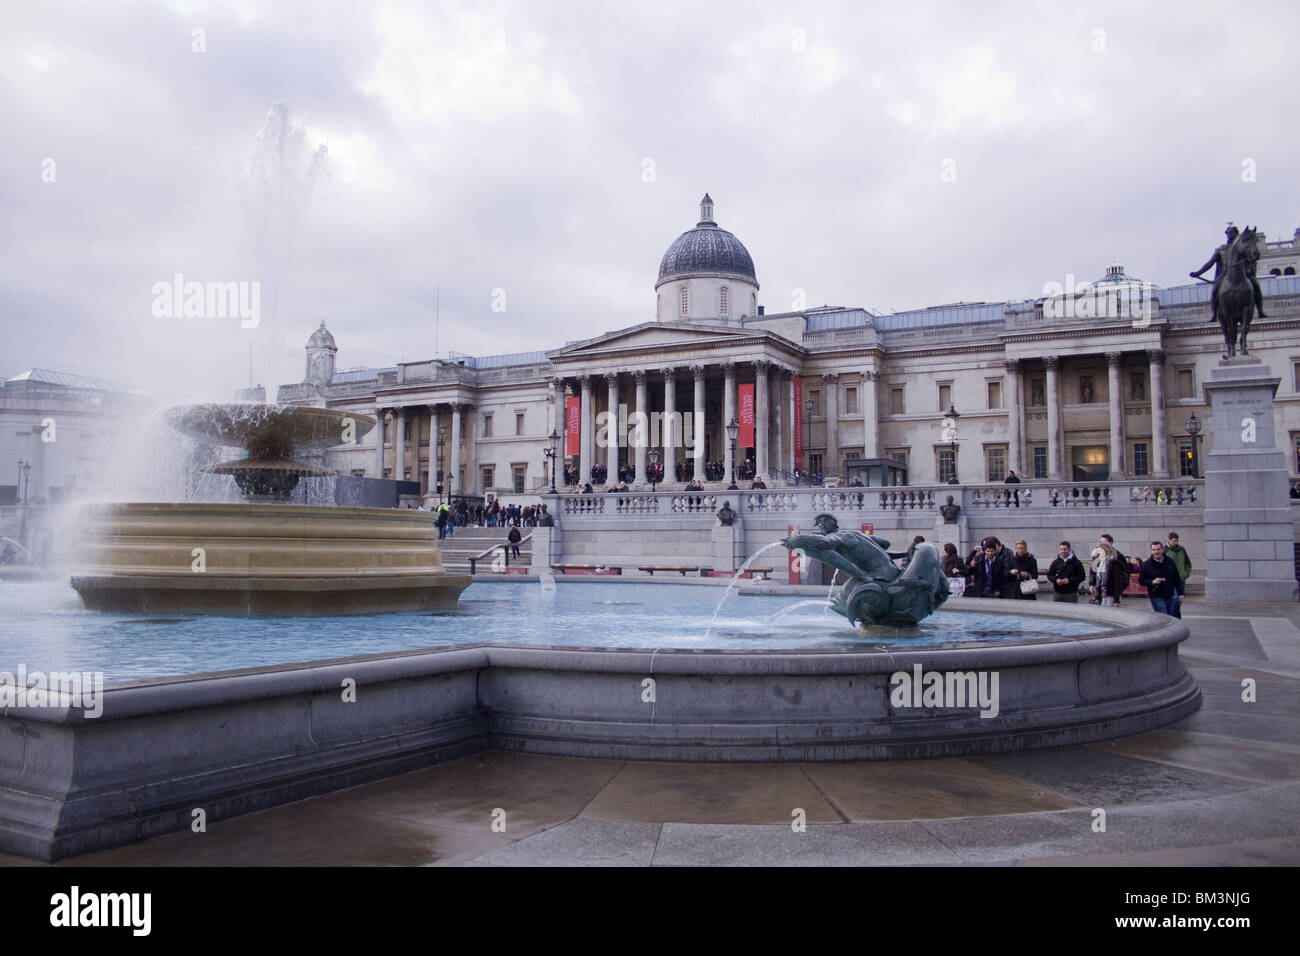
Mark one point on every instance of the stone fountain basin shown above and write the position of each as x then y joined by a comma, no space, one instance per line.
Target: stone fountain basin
268,431
260,559
241,741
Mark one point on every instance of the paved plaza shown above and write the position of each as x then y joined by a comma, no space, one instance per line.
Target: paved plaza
1221,787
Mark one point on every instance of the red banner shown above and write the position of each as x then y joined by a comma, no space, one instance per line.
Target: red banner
798,421
746,416
572,424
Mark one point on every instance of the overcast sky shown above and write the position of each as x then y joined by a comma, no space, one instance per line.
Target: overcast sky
887,156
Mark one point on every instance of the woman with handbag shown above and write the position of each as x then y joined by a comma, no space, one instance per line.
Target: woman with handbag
1025,567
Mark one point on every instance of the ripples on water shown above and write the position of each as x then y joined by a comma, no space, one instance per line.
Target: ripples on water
44,627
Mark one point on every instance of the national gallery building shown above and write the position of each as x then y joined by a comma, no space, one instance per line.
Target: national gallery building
1087,384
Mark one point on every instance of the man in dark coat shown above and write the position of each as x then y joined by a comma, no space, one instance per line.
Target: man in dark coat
1159,575
1066,574
991,573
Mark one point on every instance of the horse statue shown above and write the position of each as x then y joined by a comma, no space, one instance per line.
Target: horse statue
1234,298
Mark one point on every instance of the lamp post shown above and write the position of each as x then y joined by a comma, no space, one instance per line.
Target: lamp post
18,485
442,435
552,454
653,455
733,432
1194,429
950,432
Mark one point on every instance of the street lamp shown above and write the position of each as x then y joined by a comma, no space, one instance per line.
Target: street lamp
552,454
1194,429
950,432
18,487
733,432
442,435
654,468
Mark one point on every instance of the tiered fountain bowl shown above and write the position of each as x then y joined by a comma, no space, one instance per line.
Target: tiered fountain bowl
263,555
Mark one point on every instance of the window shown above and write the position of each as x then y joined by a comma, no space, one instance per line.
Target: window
815,464
1040,461
850,401
995,461
1295,441
684,301
518,472
815,396
1289,271
358,473
1085,389
856,453
487,473
945,396
947,465
753,303
1036,393
995,394
487,426
1186,383
1185,469
519,423
899,455
1137,388
896,400
1140,458
1295,376
723,295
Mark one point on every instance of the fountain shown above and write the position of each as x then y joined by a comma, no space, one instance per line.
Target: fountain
263,555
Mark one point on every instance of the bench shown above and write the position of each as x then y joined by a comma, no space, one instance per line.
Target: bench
585,569
650,569
758,574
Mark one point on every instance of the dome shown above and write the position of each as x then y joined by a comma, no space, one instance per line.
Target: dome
707,250
322,339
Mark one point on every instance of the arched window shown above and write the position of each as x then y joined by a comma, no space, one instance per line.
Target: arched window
1275,272
659,306
685,301
723,294
1289,271
753,303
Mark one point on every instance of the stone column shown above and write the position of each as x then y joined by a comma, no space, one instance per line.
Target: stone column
697,422
433,450
777,387
761,418
472,486
584,432
831,466
611,429
1113,360
728,414
399,443
556,388
452,484
1014,415
643,432
1159,430
1053,418
379,442
870,416
669,431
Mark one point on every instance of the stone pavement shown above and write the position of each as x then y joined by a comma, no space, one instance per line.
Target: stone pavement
1221,787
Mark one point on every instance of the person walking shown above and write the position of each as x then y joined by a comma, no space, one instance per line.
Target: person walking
514,538
1161,579
1178,554
1066,574
1025,568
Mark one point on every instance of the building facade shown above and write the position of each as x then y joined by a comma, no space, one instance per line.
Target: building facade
1093,383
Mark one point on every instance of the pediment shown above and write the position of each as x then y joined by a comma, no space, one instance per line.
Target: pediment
653,335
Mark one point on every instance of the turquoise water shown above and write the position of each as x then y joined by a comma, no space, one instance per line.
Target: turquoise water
44,627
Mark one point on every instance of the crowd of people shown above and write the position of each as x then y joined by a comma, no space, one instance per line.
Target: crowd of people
993,571
460,513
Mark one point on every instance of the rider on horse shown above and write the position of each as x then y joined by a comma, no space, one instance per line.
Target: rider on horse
1220,262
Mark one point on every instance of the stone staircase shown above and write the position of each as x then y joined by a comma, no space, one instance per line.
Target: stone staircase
471,541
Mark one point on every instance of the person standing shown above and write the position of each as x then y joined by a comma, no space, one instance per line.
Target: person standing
1066,574
1109,577
1178,554
991,572
1011,479
514,538
1161,579
1025,568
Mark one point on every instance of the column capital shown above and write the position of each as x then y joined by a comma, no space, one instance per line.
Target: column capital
1053,362
555,384
585,380
1114,358
761,366
460,407
729,368
1012,365
870,375
697,371
1156,356
639,376
830,378
669,373
611,379
785,373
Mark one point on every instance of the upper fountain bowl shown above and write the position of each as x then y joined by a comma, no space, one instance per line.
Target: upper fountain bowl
269,431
